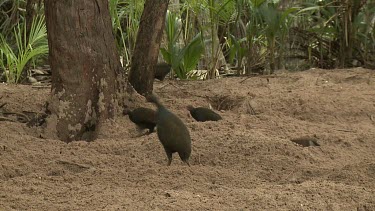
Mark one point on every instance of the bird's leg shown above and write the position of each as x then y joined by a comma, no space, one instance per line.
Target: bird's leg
169,155
169,161
184,159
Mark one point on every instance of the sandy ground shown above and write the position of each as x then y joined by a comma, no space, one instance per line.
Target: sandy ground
244,162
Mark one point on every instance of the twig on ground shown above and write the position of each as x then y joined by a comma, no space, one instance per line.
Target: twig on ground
2,105
6,119
345,130
18,115
169,84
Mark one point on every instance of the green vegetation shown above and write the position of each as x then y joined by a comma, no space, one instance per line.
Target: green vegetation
14,59
182,59
254,36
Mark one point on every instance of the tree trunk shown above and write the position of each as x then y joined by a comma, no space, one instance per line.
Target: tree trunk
30,14
86,71
147,46
351,10
214,57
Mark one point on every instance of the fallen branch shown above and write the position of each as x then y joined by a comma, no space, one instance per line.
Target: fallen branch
6,119
27,119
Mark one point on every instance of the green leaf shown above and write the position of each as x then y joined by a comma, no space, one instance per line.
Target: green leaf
27,49
166,55
193,53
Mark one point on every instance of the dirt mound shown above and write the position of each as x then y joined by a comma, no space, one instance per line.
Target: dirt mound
244,162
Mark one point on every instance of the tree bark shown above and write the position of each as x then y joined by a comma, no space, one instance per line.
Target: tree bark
86,71
30,14
146,51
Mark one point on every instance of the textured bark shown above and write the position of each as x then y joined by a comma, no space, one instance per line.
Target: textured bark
147,46
85,64
30,14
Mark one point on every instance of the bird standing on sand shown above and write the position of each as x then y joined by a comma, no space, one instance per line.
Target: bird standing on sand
144,118
161,70
202,114
172,132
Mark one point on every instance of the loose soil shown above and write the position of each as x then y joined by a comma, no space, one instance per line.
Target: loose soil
244,162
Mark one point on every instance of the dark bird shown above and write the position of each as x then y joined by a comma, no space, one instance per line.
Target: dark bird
172,132
144,118
161,70
202,114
